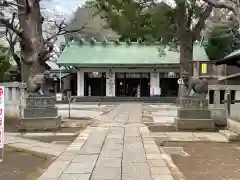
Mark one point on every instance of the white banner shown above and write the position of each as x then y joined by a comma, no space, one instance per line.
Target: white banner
2,116
155,91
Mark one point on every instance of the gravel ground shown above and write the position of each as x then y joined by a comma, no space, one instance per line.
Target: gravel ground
208,161
19,165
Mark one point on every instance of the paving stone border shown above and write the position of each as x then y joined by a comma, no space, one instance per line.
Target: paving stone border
112,150
35,146
156,162
62,162
187,136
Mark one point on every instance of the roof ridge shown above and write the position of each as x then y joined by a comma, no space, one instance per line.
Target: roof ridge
105,42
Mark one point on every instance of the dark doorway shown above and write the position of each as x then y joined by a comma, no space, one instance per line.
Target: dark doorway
145,85
120,86
94,84
169,87
127,84
132,86
73,84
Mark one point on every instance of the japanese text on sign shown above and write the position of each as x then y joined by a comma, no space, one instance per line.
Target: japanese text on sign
1,116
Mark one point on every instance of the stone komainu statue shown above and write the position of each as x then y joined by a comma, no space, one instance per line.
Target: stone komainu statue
198,86
35,84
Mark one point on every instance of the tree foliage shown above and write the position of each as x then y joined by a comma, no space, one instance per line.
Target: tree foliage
180,23
24,19
223,40
4,64
231,5
132,19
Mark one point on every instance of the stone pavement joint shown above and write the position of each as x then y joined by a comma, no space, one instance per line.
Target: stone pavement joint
113,150
35,146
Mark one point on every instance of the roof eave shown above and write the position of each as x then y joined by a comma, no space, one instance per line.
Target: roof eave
118,65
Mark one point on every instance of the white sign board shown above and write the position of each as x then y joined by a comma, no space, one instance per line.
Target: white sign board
59,96
155,91
180,81
2,117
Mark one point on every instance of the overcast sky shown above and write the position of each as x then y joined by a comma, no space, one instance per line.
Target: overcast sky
62,6
66,7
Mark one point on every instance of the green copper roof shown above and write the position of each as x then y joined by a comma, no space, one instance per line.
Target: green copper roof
98,54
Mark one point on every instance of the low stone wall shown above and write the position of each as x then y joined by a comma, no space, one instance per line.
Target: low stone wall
14,92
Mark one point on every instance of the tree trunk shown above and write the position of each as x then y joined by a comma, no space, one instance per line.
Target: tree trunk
186,52
32,43
185,37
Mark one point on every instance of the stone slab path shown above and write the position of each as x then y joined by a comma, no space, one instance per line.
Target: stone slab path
188,136
32,145
112,150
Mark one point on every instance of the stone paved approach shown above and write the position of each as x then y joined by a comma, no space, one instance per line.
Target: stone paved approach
32,145
188,136
112,150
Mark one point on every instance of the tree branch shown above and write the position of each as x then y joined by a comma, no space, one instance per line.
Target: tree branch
190,13
5,3
202,18
11,27
62,29
9,24
226,5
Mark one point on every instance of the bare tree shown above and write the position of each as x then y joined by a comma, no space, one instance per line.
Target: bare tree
35,48
231,5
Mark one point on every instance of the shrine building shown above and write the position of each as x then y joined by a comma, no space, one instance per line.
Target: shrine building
122,68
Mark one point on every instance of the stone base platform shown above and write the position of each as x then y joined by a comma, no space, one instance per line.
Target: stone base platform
194,113
233,126
193,124
43,123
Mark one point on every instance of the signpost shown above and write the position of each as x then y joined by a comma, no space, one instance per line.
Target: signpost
69,98
1,122
181,90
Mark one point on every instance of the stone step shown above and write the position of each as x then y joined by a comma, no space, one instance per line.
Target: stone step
103,99
40,112
233,126
194,113
194,124
231,136
41,123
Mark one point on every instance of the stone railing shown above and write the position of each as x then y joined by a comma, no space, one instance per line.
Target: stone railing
14,98
217,104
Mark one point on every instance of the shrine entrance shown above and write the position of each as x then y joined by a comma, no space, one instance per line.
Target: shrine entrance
127,84
94,84
169,87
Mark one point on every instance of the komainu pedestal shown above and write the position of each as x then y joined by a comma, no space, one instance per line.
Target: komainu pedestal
40,113
193,114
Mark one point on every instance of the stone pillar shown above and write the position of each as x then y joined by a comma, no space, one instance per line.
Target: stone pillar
14,94
6,90
22,103
89,91
216,98
154,79
227,104
110,84
138,91
80,83
237,94
66,82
